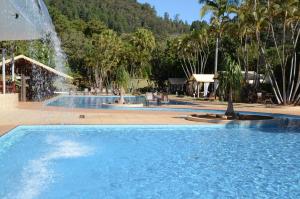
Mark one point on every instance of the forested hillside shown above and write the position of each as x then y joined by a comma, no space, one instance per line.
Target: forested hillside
109,41
119,15
101,37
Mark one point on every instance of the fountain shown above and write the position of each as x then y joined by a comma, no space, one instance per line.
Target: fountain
30,20
17,23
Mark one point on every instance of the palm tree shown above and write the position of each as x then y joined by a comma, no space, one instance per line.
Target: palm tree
142,43
220,10
279,20
193,51
199,41
243,28
230,81
122,79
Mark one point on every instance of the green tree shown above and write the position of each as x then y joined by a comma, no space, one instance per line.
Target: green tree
192,50
230,81
142,44
277,34
123,16
104,55
199,25
220,10
122,80
242,27
94,27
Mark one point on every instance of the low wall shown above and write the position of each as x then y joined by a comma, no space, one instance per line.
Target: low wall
9,101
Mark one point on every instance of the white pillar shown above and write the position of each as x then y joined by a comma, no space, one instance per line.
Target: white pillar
198,90
3,71
13,67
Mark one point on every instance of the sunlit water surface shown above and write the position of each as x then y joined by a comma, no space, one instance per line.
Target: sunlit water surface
149,162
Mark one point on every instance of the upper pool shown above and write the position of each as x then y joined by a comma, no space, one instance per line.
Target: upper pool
91,102
96,102
150,162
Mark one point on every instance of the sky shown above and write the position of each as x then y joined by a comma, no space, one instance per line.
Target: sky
188,10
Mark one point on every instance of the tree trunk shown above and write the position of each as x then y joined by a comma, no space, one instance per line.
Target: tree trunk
216,65
230,109
122,100
291,81
284,86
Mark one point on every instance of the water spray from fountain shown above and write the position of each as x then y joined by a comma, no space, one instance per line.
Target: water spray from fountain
39,25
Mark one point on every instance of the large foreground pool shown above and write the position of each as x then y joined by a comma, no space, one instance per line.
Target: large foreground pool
150,162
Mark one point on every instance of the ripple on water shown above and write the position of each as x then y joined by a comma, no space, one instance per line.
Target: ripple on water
180,162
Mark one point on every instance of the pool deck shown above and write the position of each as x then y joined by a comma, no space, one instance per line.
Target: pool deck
38,114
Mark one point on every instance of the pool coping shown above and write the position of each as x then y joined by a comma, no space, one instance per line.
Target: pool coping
185,110
155,115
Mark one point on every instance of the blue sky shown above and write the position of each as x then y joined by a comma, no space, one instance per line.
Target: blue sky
189,10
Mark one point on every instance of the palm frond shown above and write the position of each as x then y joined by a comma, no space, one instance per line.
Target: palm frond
205,10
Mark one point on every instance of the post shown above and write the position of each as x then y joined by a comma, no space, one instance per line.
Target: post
23,88
198,90
13,65
3,72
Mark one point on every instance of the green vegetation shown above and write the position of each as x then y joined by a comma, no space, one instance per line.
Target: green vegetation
101,36
122,16
122,79
221,10
98,36
230,81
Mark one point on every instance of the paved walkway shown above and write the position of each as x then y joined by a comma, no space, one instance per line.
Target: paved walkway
37,114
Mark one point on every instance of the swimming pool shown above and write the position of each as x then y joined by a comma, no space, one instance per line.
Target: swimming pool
147,162
96,102
92,102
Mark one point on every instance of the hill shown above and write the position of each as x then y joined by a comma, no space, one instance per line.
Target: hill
123,16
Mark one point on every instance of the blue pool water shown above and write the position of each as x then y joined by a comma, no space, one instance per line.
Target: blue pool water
96,102
150,162
92,102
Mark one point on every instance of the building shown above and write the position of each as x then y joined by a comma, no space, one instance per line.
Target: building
254,77
176,84
33,80
205,79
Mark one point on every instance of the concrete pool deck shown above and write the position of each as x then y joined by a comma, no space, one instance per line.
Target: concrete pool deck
38,114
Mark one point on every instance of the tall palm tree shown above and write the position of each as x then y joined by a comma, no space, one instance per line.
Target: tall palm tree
243,28
280,21
193,51
220,10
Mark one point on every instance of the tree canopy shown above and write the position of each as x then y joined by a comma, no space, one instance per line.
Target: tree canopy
123,16
101,37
